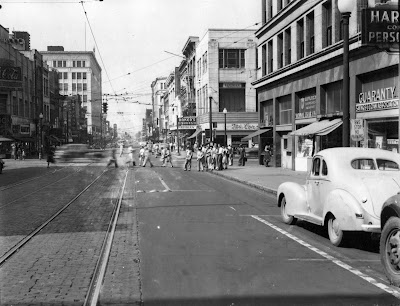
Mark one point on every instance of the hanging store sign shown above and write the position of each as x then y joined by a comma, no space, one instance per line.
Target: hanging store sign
378,99
380,27
25,129
357,129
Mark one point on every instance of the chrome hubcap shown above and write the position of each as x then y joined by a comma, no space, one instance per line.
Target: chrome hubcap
393,249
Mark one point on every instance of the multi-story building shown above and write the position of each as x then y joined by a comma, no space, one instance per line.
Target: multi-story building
23,89
158,120
300,49
80,74
225,67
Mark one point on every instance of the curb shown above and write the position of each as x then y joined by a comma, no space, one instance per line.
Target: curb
259,187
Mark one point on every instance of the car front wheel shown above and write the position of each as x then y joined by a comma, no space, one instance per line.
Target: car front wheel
336,235
285,217
390,250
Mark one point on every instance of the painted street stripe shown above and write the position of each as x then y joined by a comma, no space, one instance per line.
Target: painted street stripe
164,184
392,291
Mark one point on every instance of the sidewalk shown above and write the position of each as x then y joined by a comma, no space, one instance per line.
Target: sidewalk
258,176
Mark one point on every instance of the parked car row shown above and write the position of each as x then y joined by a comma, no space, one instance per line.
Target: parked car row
350,190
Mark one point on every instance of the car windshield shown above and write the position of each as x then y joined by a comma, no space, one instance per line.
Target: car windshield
387,165
363,164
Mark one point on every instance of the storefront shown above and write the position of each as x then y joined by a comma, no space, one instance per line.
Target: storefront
378,107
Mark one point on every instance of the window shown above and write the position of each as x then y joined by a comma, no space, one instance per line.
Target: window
83,64
232,97
65,86
267,111
79,88
54,64
331,98
232,58
65,75
84,98
84,86
324,168
78,63
327,11
310,34
74,75
280,50
288,46
79,75
64,63
73,86
59,63
60,75
363,164
316,166
73,63
285,110
387,165
300,39
264,60
270,56
84,75
205,62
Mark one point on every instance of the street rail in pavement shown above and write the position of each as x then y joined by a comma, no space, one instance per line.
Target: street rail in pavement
27,238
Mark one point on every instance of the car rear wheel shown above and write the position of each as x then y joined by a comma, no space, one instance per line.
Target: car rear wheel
336,235
285,217
390,250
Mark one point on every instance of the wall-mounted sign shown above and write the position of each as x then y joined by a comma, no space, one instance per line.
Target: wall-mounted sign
307,107
244,126
380,27
232,85
25,129
377,99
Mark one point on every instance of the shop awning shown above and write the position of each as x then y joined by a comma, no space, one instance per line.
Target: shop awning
194,134
319,128
55,138
256,133
3,139
24,138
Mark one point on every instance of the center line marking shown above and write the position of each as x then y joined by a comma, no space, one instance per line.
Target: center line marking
336,261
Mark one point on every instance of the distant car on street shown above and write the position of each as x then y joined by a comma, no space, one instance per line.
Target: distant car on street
390,239
77,152
344,191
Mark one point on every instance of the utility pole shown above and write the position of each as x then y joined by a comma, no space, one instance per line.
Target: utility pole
177,132
211,125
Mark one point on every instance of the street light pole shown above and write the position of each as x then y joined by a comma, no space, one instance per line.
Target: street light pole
40,135
225,139
346,7
177,133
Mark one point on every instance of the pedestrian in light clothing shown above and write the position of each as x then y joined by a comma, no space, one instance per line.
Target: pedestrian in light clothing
141,155
167,157
147,157
200,159
188,160
230,155
121,149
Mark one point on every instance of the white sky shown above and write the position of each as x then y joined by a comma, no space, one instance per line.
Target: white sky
131,37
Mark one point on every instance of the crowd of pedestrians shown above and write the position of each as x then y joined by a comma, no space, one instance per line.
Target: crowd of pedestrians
209,157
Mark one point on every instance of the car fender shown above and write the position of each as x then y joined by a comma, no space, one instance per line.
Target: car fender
296,197
391,208
345,208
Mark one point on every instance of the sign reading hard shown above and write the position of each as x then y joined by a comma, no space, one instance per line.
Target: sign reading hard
188,122
357,129
380,27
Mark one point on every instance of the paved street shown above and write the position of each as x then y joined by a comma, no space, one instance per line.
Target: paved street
182,238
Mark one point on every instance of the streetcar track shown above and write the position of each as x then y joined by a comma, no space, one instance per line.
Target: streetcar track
96,282
27,238
30,179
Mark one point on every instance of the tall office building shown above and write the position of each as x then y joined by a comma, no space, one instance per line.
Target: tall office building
79,74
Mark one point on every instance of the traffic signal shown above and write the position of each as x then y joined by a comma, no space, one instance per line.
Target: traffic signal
105,107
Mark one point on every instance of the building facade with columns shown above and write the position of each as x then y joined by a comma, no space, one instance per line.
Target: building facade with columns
300,47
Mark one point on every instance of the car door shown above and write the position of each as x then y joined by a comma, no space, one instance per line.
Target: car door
313,190
324,187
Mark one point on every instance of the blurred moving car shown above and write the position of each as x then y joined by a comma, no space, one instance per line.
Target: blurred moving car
344,190
390,239
77,152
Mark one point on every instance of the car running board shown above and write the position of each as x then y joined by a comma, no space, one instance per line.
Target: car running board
311,219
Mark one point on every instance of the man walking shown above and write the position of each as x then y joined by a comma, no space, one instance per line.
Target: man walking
147,157
188,161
